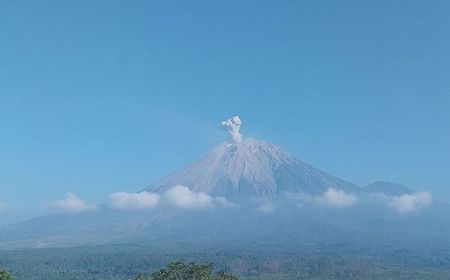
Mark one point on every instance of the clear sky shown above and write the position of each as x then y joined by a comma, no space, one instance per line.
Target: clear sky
105,96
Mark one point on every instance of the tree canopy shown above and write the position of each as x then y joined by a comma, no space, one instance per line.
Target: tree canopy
189,271
4,275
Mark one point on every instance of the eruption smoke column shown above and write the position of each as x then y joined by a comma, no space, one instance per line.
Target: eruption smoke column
233,126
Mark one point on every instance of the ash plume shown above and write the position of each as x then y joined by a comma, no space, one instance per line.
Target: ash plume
233,127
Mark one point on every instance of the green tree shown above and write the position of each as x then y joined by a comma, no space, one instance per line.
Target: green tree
4,275
192,271
223,276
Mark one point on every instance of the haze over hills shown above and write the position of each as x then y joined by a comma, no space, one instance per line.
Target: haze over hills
387,188
246,191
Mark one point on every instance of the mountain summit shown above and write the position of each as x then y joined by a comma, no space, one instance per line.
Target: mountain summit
249,167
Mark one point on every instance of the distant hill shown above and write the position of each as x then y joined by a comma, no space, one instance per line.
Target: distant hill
387,188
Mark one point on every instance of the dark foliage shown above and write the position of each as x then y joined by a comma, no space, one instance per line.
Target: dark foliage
4,275
191,271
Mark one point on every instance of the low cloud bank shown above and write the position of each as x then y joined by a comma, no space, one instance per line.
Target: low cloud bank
267,207
72,203
331,198
142,200
410,202
182,197
222,201
402,204
179,197
337,198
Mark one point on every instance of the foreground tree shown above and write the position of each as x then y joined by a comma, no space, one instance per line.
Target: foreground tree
192,271
4,275
223,276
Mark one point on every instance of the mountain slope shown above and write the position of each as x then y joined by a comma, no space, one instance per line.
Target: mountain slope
251,168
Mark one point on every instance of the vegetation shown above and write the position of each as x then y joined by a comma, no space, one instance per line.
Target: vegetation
123,262
4,275
192,271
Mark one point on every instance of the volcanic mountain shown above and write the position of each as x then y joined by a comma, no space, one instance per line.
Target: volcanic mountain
270,196
251,168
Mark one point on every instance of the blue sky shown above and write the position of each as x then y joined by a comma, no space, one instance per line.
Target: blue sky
98,97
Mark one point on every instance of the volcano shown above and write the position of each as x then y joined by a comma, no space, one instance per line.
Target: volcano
249,190
252,168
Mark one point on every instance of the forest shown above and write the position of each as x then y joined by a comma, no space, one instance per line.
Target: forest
125,262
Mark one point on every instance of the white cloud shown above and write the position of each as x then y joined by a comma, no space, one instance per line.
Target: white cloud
222,201
332,197
142,200
267,207
410,202
72,203
178,196
183,197
337,198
